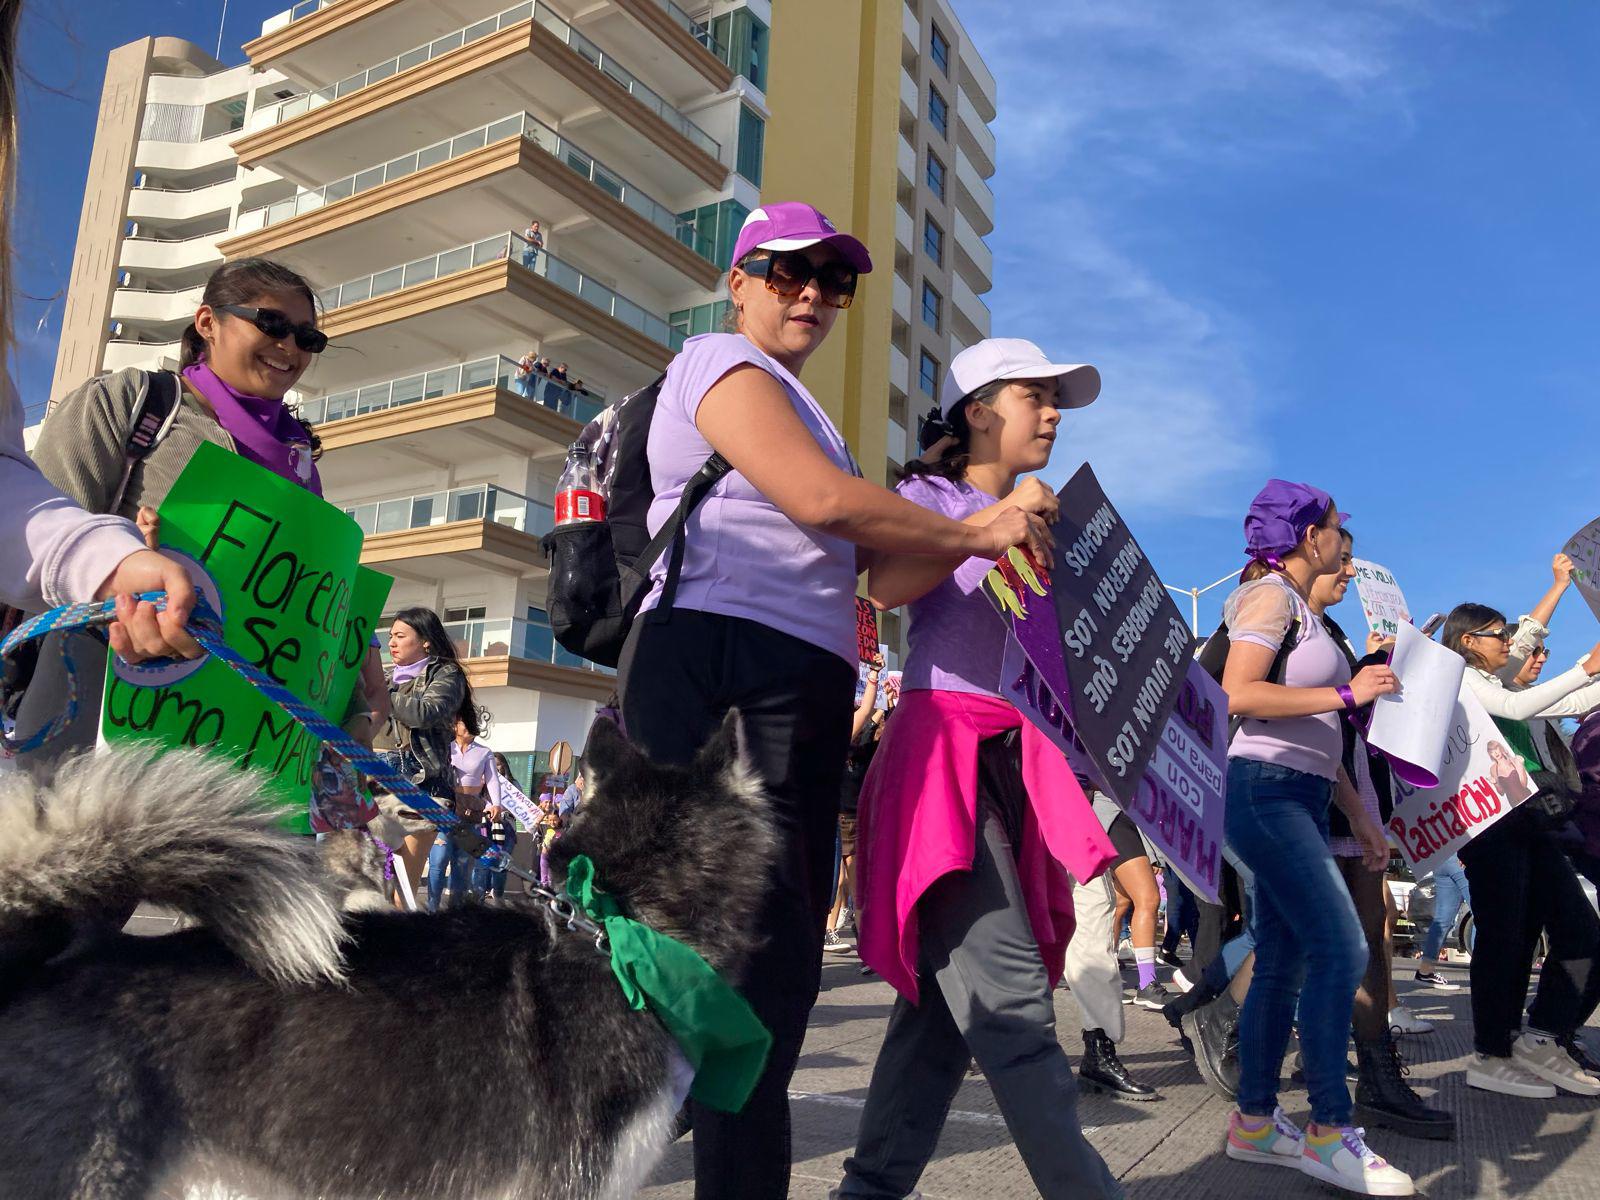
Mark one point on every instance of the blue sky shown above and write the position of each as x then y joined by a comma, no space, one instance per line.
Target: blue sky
1345,242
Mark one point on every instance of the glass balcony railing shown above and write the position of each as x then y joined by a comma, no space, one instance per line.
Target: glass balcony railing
499,249
698,30
294,106
305,8
498,371
518,639
485,502
574,158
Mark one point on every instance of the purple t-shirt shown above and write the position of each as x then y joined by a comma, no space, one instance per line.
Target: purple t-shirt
743,557
956,639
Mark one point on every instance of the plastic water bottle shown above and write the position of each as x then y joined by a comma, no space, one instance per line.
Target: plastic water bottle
578,498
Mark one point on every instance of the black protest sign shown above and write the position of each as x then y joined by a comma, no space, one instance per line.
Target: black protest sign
866,630
1123,642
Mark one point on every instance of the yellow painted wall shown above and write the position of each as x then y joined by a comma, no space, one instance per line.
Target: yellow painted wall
834,93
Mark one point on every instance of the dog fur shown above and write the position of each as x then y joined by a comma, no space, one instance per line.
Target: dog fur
286,1049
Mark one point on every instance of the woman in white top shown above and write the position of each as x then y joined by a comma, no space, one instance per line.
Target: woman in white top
1522,882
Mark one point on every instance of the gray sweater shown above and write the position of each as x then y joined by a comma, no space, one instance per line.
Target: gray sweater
82,445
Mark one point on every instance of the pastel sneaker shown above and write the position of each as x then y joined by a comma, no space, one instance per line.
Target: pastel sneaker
1277,1141
1341,1157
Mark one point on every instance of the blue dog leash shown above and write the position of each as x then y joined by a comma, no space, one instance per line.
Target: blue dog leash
206,628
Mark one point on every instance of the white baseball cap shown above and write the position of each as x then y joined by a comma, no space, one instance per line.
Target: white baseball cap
1014,358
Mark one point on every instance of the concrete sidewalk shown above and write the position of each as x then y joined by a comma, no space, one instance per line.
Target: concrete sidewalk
1506,1147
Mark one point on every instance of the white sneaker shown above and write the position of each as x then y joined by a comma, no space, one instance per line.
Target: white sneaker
1344,1159
1181,981
1125,951
1549,1060
1503,1075
1403,1020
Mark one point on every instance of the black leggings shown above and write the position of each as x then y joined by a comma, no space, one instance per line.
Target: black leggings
678,679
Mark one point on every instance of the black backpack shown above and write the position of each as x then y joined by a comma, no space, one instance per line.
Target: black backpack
1213,656
600,571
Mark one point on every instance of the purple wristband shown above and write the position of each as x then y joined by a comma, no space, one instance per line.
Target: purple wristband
1347,696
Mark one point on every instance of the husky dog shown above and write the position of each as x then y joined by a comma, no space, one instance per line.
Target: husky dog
285,1049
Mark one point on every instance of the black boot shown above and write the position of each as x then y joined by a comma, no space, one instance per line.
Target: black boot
1214,1030
1384,1098
1101,1070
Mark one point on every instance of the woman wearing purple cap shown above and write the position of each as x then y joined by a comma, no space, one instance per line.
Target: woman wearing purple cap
1284,766
761,616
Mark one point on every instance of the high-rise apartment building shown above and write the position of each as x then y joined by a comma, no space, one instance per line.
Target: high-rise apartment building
414,143
163,188
881,81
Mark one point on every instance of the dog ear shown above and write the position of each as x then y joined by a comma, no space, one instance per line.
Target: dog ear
605,752
727,747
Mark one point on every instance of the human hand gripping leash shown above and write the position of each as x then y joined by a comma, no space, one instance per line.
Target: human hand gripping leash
206,628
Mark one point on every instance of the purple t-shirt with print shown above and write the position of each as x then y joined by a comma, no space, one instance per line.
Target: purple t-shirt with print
743,557
956,638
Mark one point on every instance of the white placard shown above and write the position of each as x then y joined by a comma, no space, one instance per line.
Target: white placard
1381,599
1584,551
1412,726
1431,824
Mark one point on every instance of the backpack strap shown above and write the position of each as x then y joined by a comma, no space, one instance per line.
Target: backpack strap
153,414
675,531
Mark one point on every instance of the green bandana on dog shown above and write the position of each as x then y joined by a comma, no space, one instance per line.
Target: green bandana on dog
718,1032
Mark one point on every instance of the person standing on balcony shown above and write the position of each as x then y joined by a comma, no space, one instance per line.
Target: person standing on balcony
793,517
527,373
560,373
252,338
534,237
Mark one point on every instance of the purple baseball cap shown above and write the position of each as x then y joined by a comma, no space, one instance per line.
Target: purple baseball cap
791,225
1280,515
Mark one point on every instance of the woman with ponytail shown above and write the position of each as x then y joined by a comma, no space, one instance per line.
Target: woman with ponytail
53,552
252,338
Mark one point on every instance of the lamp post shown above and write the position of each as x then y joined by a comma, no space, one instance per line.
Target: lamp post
1194,594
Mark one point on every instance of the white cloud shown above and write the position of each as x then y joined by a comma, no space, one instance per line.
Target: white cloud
1106,109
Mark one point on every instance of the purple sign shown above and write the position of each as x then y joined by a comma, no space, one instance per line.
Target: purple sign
1179,802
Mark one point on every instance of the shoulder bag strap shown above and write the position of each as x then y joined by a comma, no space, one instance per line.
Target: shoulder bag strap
153,414
674,531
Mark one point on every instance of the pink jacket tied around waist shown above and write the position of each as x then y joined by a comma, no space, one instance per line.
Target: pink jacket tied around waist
918,821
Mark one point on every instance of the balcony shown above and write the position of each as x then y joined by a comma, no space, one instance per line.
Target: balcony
971,314
977,82
974,200
973,135
906,165
524,55
147,307
182,204
910,107
482,299
899,372
498,372
910,34
161,256
477,183
436,534
905,236
512,653
974,260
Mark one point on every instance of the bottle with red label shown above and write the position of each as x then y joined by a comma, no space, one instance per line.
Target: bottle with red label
578,498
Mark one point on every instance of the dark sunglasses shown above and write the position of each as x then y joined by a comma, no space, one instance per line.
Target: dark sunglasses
1539,652
1503,634
277,325
787,274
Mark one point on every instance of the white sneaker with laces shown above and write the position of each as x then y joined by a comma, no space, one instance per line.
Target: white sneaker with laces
1549,1060
1503,1075
1181,981
1403,1020
1343,1158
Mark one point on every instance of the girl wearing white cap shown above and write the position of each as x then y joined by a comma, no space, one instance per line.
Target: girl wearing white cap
966,883
760,615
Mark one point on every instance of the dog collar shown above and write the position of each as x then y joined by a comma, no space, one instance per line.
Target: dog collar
715,1027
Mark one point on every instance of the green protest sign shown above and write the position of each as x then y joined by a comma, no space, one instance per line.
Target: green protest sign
283,569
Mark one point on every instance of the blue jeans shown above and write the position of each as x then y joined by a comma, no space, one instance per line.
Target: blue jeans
485,880
445,858
529,257
1310,951
1450,892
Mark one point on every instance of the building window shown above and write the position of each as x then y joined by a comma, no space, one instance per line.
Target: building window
711,230
941,51
739,39
703,318
928,375
752,144
930,307
939,112
935,175
933,240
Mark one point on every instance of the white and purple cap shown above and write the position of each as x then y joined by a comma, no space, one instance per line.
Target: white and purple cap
791,225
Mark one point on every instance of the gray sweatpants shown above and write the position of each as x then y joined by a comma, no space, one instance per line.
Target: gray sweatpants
983,994
1092,971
